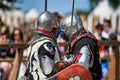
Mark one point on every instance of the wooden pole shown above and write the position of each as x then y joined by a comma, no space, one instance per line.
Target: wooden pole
16,65
116,51
112,65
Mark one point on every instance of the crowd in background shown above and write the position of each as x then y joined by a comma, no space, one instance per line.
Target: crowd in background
15,34
23,34
10,34
104,32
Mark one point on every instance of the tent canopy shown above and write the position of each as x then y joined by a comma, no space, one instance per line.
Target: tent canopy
117,10
103,9
32,14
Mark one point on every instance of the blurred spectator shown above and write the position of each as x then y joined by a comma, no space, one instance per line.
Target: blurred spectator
103,50
98,33
58,16
113,36
5,67
106,29
4,39
61,42
16,37
29,35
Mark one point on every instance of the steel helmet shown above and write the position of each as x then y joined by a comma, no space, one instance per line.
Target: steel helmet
76,25
47,24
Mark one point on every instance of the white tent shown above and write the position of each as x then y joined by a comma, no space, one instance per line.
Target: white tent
18,16
17,13
31,15
103,11
8,15
116,15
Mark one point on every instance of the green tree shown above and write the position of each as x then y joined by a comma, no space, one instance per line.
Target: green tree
113,3
93,3
6,6
79,12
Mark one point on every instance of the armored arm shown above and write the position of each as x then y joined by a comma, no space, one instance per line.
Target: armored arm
85,57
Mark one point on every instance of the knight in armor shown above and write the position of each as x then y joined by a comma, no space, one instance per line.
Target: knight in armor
43,51
82,46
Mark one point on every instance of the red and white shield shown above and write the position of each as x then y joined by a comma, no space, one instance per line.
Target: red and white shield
73,71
